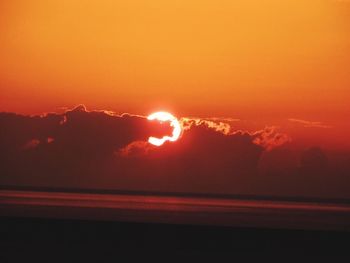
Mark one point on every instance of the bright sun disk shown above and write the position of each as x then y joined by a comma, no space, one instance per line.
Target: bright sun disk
165,116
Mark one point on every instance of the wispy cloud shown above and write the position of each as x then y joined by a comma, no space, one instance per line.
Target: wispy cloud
310,124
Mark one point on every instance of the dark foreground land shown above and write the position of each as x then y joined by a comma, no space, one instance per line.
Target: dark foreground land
53,240
86,227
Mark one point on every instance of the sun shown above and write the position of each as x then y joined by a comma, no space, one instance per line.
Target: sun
165,116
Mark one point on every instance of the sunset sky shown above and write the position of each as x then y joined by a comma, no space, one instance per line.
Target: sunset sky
260,91
246,59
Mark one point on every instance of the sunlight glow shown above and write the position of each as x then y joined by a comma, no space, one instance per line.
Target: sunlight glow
165,116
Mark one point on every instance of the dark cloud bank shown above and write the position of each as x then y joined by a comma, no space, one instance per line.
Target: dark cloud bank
82,149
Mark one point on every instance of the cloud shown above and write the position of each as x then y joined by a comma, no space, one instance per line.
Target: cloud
269,138
135,149
227,120
310,124
76,131
201,127
219,126
83,148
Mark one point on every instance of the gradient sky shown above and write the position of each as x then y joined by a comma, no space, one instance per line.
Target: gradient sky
256,59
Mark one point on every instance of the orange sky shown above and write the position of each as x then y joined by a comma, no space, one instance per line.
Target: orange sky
264,59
